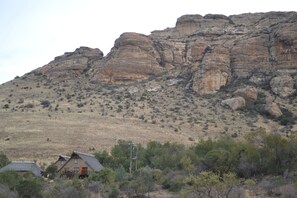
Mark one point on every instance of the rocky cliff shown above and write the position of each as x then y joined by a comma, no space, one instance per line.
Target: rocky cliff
216,50
208,77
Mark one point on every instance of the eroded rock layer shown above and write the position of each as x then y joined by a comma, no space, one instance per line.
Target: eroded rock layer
217,49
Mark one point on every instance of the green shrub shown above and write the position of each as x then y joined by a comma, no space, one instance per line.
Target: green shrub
10,178
51,171
30,187
45,103
3,160
287,117
106,176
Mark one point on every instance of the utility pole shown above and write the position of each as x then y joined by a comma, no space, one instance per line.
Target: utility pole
131,153
133,156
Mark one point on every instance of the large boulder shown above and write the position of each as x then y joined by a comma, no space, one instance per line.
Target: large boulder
282,85
234,103
273,109
248,93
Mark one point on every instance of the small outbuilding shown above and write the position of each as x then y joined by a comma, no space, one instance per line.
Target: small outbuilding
23,166
80,164
61,161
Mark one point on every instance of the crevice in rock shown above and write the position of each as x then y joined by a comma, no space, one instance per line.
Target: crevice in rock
272,59
159,48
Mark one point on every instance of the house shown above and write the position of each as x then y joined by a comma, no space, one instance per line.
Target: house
80,164
23,166
61,161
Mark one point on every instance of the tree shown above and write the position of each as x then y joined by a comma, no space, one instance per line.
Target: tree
121,154
51,171
10,178
121,174
106,176
205,184
187,165
249,162
219,156
228,182
3,160
209,184
275,154
144,178
104,158
164,156
30,186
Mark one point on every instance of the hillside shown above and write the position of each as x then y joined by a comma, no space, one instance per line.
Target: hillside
209,76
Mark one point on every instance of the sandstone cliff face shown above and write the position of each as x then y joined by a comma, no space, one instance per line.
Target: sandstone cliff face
71,65
220,49
133,57
216,49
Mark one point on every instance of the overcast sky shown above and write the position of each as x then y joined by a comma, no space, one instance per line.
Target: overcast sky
33,32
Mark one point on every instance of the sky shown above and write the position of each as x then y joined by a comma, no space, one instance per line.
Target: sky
34,32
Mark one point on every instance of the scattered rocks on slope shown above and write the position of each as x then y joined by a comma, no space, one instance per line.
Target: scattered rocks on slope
273,109
234,103
153,86
282,85
269,106
248,93
174,81
133,90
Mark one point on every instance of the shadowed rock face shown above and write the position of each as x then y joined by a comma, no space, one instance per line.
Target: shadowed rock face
216,49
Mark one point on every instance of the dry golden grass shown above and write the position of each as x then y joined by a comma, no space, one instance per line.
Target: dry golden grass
81,116
40,137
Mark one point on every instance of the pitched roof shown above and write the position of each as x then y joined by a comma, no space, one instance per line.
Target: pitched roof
23,166
90,160
64,157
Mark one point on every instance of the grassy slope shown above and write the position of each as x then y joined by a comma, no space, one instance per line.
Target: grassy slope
81,116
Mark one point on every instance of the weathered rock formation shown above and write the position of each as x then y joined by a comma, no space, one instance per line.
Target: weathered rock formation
132,58
71,65
250,94
282,85
216,49
273,109
234,103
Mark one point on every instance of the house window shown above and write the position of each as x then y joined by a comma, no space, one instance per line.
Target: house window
75,161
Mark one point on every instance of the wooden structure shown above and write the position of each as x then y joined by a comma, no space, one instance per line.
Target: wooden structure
61,161
80,164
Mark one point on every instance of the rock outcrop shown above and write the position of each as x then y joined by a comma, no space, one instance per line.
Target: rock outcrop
250,94
213,71
217,50
234,103
282,85
71,65
132,58
273,109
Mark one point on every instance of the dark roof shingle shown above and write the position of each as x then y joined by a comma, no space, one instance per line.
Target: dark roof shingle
90,160
22,166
